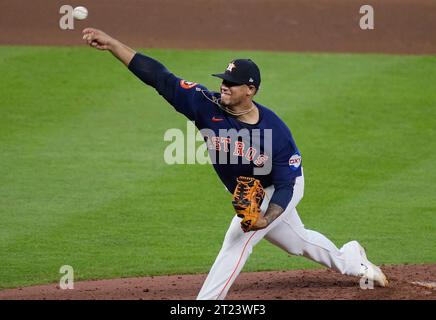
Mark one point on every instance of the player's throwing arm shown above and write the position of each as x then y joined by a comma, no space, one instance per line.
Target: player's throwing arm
100,40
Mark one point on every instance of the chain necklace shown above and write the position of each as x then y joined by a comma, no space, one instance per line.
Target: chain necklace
217,101
233,113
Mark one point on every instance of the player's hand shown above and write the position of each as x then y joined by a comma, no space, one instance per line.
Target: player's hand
98,39
261,223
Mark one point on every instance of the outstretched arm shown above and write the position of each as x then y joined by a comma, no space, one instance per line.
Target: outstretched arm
150,71
183,97
102,41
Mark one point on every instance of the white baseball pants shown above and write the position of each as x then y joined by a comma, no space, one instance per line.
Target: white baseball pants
286,232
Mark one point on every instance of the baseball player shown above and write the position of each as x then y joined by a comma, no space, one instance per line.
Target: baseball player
256,158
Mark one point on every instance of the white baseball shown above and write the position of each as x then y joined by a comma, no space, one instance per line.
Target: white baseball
80,13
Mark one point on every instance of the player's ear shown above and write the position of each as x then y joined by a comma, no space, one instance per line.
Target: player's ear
251,90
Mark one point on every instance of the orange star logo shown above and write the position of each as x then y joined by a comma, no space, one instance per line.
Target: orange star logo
231,66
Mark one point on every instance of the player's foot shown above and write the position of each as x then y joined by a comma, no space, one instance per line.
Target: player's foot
371,271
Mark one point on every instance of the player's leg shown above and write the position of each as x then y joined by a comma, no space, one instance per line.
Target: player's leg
236,249
291,236
234,252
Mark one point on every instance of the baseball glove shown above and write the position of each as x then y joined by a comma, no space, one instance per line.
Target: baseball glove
247,198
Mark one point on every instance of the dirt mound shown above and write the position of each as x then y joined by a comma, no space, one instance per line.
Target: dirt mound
406,282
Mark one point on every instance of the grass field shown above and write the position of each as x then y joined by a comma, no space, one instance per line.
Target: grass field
83,182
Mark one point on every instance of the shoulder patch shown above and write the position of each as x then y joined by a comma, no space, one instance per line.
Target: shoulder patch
295,161
187,84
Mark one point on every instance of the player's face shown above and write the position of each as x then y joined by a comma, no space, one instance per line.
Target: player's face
233,94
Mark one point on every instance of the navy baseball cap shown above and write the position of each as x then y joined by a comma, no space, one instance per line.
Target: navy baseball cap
241,71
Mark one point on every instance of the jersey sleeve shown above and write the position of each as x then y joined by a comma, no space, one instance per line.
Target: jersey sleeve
186,97
285,168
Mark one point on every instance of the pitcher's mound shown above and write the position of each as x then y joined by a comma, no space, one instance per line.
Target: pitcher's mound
406,282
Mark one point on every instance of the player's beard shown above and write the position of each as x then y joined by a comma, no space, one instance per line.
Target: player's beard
229,101
225,103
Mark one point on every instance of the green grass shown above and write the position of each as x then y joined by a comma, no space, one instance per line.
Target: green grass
83,181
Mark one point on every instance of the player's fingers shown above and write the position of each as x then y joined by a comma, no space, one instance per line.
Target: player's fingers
88,30
87,37
90,37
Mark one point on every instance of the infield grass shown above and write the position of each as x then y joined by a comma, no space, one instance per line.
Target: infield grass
83,181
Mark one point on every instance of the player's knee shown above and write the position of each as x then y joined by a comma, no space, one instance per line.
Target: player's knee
296,250
299,196
300,240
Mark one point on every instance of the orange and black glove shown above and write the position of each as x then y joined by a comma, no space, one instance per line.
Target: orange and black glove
247,199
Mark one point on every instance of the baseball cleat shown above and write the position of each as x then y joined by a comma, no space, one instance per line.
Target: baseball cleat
371,271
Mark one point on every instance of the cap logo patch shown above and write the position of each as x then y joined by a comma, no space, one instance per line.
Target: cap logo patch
231,66
251,80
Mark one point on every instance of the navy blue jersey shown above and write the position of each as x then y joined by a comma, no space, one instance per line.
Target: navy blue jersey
265,150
